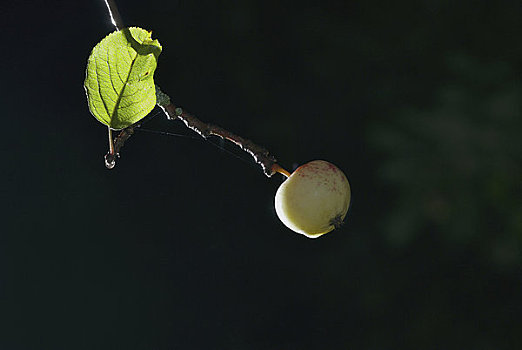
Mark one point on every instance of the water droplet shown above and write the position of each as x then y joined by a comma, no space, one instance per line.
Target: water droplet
110,162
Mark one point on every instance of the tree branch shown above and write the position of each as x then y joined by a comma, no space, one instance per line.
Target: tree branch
261,155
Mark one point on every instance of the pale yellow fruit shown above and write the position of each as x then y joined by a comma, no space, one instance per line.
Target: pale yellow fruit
314,199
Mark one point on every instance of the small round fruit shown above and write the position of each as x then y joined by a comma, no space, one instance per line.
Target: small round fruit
314,199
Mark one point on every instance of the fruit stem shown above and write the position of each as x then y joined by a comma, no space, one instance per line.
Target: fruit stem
278,169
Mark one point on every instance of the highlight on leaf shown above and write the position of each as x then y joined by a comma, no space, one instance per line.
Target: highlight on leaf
120,77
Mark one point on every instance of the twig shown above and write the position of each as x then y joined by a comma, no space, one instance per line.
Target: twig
261,155
114,147
114,14
119,141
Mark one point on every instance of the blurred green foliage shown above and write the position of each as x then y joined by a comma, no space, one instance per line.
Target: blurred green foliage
455,165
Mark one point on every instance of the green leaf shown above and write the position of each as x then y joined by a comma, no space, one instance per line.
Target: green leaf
119,82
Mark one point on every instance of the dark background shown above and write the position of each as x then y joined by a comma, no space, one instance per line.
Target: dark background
179,247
